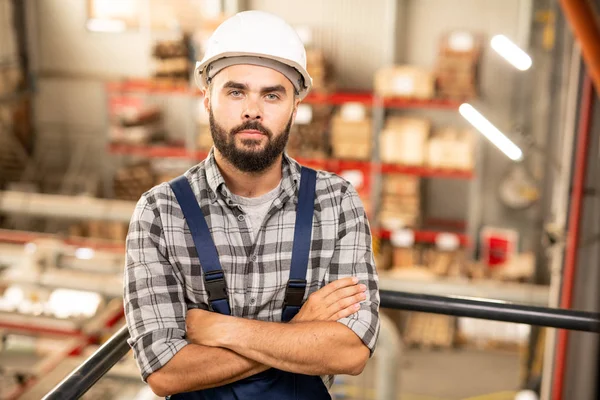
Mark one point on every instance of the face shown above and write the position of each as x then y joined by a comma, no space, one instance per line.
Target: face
251,110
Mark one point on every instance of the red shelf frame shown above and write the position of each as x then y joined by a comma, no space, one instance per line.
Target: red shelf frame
338,98
334,165
23,237
426,171
432,104
151,86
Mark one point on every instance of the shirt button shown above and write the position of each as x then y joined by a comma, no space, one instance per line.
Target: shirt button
254,257
252,300
241,217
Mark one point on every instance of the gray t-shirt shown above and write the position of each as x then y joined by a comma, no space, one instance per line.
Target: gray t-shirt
256,208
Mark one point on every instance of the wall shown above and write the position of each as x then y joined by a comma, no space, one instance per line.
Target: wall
359,36
356,35
343,26
71,105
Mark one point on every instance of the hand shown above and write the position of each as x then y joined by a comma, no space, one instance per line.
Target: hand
205,327
332,302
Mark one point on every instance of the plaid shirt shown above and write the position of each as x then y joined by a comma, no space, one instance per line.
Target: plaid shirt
163,276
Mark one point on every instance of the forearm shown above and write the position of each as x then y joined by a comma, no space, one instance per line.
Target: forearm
311,348
197,367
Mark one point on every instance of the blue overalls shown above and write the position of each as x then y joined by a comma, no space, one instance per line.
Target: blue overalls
272,384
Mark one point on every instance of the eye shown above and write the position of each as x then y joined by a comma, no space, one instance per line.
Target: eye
235,93
272,96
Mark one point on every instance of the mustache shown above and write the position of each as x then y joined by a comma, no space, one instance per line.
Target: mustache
252,125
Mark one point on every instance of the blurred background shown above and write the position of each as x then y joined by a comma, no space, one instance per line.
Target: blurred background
468,127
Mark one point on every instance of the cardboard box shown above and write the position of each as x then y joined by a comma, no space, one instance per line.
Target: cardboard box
404,140
461,43
403,257
351,139
451,149
401,185
403,204
352,151
350,130
393,220
405,81
457,65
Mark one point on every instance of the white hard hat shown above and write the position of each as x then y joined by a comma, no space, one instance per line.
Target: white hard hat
258,38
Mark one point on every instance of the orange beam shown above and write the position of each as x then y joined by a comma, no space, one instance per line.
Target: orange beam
582,18
572,247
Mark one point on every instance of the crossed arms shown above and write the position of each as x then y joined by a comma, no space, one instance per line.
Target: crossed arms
225,349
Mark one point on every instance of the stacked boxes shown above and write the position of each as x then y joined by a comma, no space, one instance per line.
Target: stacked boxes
400,202
132,181
404,140
451,149
405,81
457,64
136,125
308,134
318,69
171,60
352,133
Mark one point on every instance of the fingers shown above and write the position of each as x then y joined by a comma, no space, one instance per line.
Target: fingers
337,285
346,312
345,292
347,302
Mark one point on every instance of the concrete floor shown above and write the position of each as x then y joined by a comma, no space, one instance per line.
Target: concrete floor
456,374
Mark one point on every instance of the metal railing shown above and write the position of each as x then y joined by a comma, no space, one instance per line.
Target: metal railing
99,363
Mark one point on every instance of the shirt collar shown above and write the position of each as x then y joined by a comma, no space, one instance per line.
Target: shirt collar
289,182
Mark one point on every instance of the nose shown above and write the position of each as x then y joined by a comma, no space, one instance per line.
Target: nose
252,111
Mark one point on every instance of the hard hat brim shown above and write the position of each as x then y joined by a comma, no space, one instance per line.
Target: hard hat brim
200,78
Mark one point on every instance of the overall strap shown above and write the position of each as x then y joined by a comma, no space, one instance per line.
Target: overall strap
214,278
294,293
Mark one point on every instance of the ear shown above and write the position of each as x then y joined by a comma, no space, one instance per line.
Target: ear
206,99
296,103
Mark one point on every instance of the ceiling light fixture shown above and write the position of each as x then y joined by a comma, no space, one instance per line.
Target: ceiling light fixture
493,134
511,52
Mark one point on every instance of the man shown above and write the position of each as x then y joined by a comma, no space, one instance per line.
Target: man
221,258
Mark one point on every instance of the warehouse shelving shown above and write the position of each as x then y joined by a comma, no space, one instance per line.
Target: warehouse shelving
371,169
24,237
426,236
162,151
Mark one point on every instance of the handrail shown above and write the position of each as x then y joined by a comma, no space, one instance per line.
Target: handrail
91,370
99,363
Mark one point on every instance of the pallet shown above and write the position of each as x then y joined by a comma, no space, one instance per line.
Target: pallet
430,331
133,181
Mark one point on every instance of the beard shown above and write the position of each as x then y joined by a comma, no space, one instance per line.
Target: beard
250,157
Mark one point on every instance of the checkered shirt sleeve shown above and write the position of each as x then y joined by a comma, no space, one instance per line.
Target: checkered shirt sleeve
353,256
154,301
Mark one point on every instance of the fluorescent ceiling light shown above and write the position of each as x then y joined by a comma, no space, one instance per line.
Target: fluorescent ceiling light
492,133
511,52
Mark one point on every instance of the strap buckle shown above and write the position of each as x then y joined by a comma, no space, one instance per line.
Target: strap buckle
294,292
214,282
